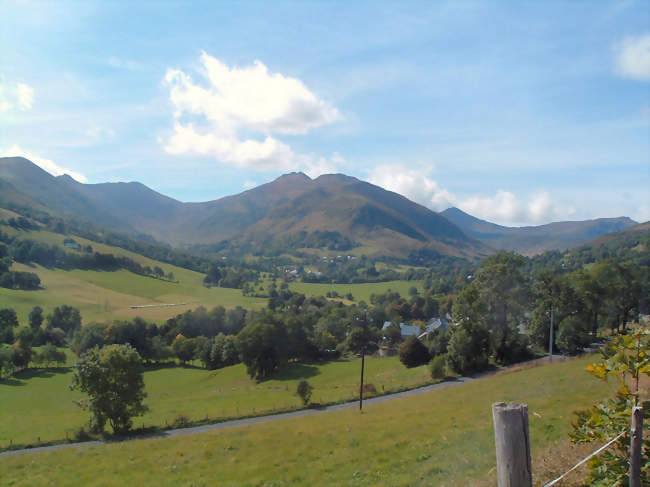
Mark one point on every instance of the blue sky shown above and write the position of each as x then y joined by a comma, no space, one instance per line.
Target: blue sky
519,113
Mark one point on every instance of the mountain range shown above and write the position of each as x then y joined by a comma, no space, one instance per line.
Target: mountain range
536,239
383,222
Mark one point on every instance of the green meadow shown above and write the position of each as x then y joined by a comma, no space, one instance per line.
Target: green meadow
442,438
104,296
360,292
38,403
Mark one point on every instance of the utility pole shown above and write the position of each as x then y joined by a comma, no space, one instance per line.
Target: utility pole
550,340
363,358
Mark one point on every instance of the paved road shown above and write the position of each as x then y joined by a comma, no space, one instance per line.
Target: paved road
265,419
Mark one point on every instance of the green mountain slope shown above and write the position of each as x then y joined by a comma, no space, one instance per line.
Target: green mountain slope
107,295
384,222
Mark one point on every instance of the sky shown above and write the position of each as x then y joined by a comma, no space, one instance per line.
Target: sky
520,113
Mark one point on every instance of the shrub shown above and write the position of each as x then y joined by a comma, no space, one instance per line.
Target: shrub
467,352
369,389
304,390
413,353
438,366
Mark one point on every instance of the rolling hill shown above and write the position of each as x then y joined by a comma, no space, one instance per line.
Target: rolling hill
533,240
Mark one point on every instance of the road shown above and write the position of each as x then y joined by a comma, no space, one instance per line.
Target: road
268,418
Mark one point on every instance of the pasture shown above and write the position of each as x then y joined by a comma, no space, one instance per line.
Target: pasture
38,403
103,296
360,292
442,438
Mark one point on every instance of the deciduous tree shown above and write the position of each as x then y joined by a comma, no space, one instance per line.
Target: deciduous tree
112,377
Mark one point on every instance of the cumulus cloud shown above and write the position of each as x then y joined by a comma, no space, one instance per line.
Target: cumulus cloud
235,112
633,57
22,97
25,95
503,207
45,164
415,184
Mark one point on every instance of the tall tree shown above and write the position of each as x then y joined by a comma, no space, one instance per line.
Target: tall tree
112,377
36,317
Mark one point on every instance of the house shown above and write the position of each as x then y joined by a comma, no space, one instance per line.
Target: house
405,330
71,244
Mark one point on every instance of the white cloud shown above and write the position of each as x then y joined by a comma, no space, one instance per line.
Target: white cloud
25,95
45,164
249,184
415,184
633,57
4,104
504,207
237,102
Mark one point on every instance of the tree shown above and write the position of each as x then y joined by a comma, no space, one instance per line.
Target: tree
626,358
49,355
504,289
391,334
8,318
8,321
6,360
65,317
413,353
112,377
263,348
184,348
467,352
36,317
304,390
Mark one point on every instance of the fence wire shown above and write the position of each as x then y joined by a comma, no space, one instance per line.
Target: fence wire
606,445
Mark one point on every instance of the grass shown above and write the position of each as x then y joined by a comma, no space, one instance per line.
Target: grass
103,296
441,438
38,403
361,292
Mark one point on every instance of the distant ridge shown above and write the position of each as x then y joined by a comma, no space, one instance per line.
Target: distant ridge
532,240
386,223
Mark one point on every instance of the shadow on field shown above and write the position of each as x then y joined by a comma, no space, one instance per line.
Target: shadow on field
21,378
297,371
12,381
150,366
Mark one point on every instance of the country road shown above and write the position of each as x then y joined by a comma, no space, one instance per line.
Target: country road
274,417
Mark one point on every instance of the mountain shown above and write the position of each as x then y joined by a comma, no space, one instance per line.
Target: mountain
533,240
384,222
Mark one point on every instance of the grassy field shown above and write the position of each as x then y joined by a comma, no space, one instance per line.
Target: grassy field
361,292
102,296
441,438
38,403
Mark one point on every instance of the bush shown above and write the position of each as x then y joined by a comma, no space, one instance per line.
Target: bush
413,353
467,352
304,391
571,337
369,389
438,366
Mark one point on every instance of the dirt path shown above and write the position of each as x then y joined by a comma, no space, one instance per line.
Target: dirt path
274,417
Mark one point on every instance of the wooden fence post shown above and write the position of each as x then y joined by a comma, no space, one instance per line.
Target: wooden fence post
636,439
512,444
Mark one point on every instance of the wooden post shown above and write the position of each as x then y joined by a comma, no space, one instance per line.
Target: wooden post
636,438
512,444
